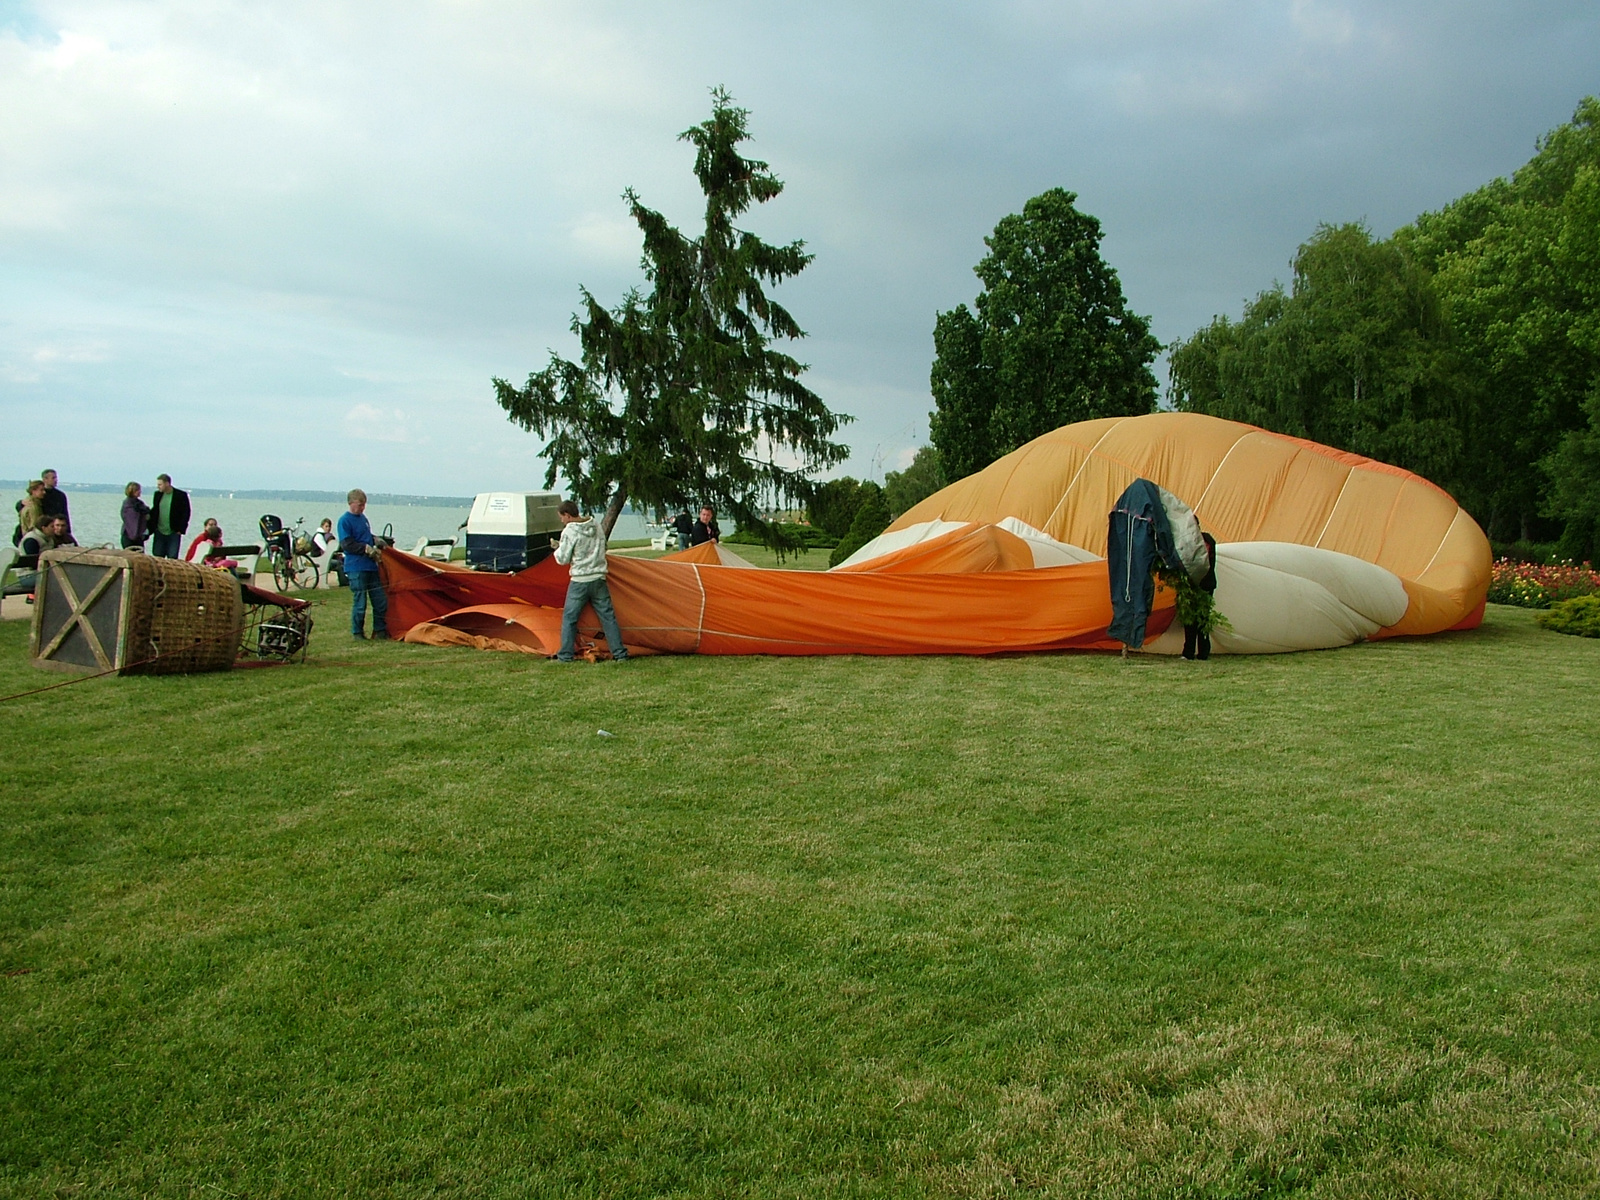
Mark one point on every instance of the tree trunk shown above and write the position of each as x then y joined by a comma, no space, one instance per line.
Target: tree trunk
613,511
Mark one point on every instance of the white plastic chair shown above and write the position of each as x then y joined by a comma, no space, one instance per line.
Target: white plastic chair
8,555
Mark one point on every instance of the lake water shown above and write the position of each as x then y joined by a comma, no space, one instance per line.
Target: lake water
97,518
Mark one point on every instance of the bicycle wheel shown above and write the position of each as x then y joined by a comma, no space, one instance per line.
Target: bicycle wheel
306,573
282,571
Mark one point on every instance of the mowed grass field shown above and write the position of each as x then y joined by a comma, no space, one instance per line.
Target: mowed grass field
400,923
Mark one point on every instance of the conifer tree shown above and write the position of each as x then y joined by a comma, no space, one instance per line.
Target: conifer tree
678,397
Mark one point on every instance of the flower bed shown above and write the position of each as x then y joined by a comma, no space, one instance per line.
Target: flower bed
1532,585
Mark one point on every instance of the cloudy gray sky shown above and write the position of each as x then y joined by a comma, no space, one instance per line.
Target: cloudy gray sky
288,244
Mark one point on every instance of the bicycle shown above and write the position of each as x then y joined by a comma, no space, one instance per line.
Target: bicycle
289,552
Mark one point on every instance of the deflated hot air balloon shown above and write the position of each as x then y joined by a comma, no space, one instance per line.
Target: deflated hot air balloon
1316,548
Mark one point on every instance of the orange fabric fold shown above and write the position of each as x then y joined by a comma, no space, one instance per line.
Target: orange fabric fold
694,608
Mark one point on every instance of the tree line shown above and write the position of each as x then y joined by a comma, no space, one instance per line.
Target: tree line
1465,347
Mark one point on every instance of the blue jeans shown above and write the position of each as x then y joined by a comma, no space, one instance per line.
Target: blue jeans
592,592
362,585
166,545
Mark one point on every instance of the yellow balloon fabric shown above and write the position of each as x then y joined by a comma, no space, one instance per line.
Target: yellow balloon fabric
1246,485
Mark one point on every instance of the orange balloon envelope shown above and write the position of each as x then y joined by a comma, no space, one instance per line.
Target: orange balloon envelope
1317,548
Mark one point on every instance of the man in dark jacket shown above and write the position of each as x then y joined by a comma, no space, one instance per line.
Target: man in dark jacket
684,524
54,503
705,529
169,519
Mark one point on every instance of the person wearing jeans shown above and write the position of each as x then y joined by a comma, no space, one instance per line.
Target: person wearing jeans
361,556
583,552
169,519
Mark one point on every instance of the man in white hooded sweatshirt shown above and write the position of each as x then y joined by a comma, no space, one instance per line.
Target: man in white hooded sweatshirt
583,552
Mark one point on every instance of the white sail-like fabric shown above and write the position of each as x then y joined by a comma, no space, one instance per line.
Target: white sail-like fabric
1279,597
899,539
1047,551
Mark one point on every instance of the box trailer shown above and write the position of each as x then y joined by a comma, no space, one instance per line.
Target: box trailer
507,531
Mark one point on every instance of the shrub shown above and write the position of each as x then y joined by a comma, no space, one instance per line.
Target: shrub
1579,616
1542,553
924,477
1530,585
834,506
806,537
871,519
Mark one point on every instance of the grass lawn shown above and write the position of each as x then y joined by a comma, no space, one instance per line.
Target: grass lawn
399,923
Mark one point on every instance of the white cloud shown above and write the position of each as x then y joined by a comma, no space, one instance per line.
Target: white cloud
369,422
613,239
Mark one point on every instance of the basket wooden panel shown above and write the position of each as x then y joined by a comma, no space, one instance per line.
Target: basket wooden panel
134,614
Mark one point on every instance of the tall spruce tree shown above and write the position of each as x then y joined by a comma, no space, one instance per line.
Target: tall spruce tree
1052,341
678,398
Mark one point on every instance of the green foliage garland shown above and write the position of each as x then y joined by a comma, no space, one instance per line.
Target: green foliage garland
1196,606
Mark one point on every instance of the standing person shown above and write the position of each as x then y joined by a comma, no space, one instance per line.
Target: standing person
684,524
705,529
361,555
583,552
135,518
30,511
169,519
55,500
1197,645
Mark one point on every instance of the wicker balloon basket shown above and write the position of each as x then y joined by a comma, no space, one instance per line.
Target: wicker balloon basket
118,610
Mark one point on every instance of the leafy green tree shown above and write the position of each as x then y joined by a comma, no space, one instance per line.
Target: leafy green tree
833,505
1574,466
1052,340
1517,265
921,479
871,519
1464,347
1356,355
679,397
1574,471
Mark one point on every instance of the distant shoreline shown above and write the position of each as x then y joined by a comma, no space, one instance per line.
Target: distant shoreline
268,494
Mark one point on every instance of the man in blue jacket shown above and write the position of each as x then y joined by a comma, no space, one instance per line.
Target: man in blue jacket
361,555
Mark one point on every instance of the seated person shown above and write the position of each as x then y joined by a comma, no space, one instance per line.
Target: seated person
206,549
324,537
47,535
